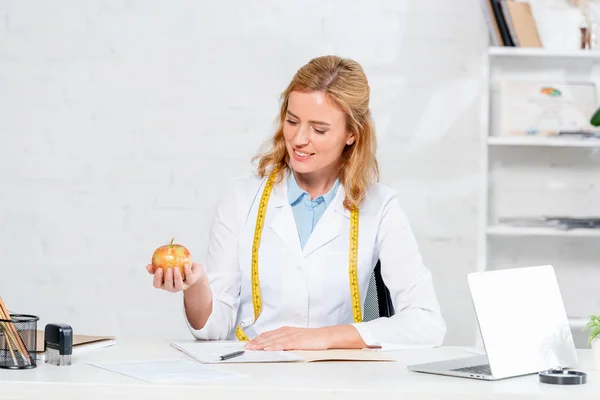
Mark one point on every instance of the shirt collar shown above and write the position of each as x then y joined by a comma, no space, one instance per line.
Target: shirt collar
295,192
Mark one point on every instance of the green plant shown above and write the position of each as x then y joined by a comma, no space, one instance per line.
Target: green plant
595,120
594,327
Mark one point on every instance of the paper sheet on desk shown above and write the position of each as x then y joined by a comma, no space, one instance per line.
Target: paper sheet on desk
209,352
167,371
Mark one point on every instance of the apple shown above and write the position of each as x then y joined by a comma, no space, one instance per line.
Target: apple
171,256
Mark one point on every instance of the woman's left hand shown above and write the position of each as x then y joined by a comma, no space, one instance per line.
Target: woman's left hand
288,338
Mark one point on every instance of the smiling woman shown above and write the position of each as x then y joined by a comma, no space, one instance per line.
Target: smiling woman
326,129
291,250
314,146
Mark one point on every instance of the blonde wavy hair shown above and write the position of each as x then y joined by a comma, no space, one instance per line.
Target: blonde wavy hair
345,83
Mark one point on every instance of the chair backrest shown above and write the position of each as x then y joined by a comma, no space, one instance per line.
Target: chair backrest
378,302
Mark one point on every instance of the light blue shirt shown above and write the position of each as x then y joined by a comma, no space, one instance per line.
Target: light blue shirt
307,212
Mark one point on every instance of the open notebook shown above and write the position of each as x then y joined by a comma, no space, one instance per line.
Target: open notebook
208,352
81,343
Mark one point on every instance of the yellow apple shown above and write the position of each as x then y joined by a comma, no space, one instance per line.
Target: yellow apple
171,256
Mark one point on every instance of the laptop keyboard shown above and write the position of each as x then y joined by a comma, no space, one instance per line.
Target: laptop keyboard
476,369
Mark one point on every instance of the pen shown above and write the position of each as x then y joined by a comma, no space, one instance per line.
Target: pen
231,355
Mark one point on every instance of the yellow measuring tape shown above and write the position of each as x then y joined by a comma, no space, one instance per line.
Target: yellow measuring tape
352,259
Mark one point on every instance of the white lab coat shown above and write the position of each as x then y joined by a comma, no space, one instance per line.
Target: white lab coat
310,287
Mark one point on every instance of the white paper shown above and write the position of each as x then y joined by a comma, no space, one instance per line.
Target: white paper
210,352
167,371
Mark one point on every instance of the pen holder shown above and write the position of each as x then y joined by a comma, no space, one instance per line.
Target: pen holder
18,341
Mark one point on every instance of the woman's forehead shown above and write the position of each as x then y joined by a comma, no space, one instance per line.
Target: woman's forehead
314,105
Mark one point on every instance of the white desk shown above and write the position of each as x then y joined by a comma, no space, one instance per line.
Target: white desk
323,380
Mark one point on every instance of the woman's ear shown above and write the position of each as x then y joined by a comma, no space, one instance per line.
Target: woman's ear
350,139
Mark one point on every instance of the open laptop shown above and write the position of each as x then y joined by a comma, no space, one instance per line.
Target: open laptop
523,325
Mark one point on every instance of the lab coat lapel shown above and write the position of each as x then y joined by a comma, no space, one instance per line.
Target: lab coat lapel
283,223
329,226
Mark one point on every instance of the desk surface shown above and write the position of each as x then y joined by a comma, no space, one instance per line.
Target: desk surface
321,380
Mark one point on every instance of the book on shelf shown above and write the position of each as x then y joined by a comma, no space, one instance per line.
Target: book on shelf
521,23
490,20
81,343
501,21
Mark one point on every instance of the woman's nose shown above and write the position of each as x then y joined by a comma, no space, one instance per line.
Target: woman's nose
302,136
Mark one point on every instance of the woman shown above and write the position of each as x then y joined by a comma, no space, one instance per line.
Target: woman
291,251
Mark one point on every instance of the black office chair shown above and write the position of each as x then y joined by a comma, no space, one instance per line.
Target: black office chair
378,302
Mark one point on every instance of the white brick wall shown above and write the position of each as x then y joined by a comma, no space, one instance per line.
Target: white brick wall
120,121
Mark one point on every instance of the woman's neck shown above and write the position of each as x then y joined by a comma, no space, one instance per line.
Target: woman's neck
316,183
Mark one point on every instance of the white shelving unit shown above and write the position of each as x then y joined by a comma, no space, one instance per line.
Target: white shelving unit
529,177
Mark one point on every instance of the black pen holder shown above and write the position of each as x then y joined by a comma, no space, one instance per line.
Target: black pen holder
18,341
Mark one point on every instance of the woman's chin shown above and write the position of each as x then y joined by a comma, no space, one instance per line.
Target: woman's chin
301,168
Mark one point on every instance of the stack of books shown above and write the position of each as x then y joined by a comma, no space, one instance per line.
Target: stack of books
511,23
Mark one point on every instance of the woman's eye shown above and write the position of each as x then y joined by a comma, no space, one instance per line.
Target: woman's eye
319,131
293,123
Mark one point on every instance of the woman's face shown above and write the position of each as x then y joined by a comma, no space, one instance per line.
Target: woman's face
315,133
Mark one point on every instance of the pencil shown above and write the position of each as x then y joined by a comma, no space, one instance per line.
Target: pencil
7,340
13,335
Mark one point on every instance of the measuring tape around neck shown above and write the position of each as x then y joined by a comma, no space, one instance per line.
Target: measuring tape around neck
352,259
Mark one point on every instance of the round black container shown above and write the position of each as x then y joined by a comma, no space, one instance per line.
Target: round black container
15,353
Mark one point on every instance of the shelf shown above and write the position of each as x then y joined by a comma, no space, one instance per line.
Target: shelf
578,322
541,141
505,230
523,52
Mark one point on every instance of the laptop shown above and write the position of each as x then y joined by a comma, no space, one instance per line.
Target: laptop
523,325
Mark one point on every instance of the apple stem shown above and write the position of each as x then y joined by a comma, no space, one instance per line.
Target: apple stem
171,244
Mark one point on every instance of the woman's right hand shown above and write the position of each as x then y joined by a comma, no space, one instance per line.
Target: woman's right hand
172,281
